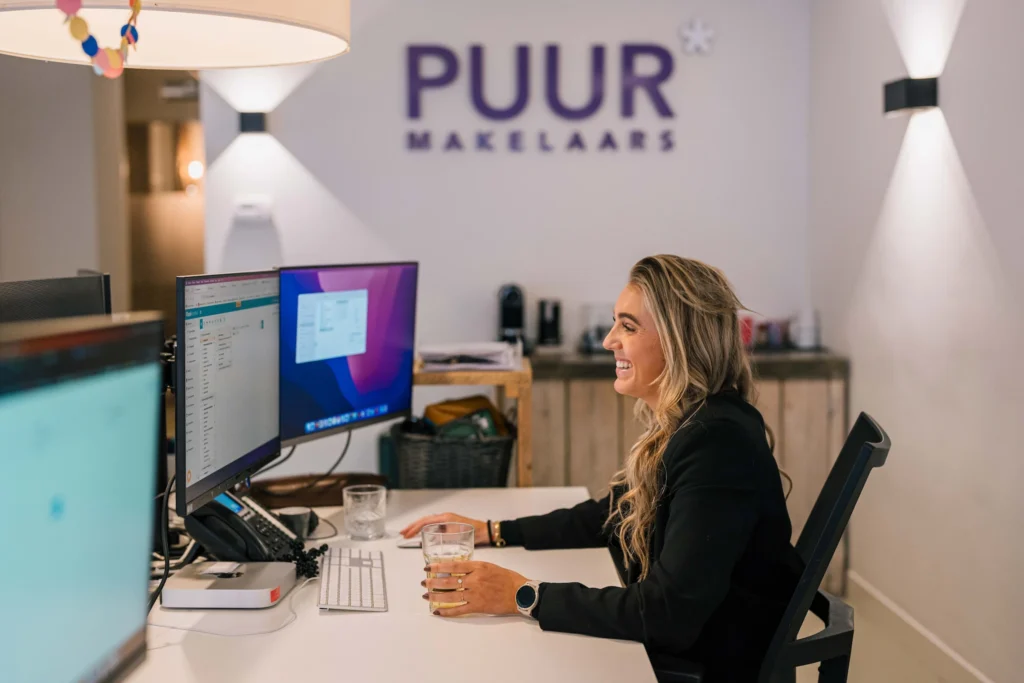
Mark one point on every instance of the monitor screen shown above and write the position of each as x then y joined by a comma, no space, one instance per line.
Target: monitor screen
347,347
78,421
226,396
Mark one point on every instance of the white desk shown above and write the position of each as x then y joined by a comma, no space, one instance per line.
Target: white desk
407,642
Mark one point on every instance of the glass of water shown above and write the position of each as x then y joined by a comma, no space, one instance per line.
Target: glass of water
447,542
365,511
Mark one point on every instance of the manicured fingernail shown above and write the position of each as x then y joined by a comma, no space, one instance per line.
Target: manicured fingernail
437,613
425,596
423,583
426,569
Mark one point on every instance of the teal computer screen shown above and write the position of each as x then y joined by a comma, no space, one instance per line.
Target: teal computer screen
76,509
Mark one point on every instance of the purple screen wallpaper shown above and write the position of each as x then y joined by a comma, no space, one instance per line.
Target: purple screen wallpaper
323,395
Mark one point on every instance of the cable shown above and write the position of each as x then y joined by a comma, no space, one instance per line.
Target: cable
305,487
164,494
155,595
276,464
187,557
344,451
324,520
291,608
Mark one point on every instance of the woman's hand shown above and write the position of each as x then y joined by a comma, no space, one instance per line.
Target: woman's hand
480,536
484,588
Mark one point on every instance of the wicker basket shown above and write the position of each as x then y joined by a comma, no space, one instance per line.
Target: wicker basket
439,462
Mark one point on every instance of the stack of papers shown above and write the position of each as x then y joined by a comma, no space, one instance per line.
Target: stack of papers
472,356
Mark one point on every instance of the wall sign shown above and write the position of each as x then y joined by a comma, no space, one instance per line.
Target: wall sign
624,77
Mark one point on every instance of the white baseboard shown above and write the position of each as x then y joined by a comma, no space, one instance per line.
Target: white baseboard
947,665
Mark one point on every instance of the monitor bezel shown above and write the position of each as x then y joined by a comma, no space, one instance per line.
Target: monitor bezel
184,504
123,662
397,415
23,338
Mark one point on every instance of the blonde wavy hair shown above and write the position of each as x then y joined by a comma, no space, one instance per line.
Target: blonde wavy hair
696,316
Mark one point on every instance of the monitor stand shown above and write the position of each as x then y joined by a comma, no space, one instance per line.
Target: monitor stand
167,387
229,585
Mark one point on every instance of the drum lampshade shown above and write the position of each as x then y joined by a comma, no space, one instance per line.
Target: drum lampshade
184,34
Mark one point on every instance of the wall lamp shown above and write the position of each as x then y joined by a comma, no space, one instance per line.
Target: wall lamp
908,95
252,122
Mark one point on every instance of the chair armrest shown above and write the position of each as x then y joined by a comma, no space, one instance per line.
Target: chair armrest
835,640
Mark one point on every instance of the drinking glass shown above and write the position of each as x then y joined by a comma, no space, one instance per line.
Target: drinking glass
447,542
365,510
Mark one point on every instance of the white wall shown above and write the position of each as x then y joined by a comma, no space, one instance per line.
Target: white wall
917,262
110,178
344,188
47,203
61,191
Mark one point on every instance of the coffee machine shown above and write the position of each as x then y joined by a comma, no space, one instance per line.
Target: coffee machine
511,314
549,323
597,323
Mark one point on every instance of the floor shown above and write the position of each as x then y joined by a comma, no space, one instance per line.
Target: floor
876,658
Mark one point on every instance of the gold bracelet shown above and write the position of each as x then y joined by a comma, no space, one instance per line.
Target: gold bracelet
499,542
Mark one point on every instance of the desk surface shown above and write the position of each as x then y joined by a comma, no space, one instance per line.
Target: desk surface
405,643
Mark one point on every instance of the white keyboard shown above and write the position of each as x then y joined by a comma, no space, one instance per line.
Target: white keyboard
353,579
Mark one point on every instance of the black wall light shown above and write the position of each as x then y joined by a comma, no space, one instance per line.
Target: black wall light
252,122
911,94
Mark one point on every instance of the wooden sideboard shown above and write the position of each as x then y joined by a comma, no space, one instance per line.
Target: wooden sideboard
582,429
515,384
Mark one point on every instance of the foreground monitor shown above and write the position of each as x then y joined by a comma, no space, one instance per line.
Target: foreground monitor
347,347
78,421
226,388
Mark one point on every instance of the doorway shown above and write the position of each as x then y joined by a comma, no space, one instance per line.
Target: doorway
167,169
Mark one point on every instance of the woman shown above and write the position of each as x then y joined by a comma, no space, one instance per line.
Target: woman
698,512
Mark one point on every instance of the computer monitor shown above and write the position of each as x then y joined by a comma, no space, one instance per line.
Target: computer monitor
226,395
347,347
62,297
78,420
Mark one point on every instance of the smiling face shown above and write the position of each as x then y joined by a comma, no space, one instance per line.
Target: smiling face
639,359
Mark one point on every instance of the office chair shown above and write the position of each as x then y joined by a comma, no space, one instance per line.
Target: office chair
54,298
106,286
866,447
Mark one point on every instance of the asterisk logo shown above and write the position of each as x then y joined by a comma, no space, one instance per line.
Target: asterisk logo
697,37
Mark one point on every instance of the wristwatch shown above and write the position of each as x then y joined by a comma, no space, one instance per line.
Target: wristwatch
527,598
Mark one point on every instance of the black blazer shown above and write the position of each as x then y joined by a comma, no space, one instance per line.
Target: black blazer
722,566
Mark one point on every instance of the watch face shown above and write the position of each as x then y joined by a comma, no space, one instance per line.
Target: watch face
525,596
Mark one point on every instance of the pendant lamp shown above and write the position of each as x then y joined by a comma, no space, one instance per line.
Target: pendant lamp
177,34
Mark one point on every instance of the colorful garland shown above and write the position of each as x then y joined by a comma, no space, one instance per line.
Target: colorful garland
107,61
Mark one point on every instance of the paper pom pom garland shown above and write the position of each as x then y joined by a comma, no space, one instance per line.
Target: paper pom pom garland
79,29
129,33
90,46
109,62
69,7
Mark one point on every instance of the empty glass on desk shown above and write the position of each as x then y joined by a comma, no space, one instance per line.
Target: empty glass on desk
447,542
365,511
